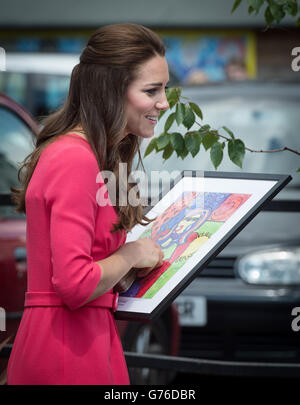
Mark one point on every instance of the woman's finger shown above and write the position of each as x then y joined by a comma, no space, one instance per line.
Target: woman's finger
144,272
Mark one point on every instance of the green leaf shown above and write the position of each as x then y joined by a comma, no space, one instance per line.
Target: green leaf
276,11
162,141
235,5
171,104
228,132
298,170
161,114
268,16
216,154
255,5
169,122
204,129
177,92
294,8
189,118
184,153
177,142
209,139
180,112
250,10
152,145
173,95
236,151
192,142
290,7
298,22
168,151
196,110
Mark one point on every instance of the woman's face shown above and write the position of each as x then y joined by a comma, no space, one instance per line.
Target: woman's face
146,97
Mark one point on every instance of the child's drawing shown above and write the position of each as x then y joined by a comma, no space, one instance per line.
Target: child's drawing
180,230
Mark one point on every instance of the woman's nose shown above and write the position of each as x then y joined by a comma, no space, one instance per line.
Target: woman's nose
163,104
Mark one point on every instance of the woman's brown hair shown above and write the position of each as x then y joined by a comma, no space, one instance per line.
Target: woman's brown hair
96,102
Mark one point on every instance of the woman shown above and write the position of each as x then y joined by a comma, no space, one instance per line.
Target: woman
76,247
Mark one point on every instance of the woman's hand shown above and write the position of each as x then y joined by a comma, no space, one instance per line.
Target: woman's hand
143,255
149,255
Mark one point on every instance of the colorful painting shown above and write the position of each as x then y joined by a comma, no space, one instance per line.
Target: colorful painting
203,57
180,230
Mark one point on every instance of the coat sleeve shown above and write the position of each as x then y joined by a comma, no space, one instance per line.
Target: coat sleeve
71,202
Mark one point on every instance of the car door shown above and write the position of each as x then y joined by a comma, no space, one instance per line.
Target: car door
17,132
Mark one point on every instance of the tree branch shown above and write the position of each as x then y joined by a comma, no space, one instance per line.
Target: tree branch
256,150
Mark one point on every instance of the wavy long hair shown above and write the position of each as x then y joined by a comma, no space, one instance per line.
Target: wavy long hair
96,102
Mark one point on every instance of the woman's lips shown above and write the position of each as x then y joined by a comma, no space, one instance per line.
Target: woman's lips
153,120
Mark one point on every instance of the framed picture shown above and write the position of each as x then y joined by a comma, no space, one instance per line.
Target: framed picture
193,221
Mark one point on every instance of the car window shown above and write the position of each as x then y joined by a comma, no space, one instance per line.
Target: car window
16,142
14,85
39,93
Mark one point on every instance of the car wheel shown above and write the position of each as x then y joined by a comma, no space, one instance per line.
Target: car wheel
149,338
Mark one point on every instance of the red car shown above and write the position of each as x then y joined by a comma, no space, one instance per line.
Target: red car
17,132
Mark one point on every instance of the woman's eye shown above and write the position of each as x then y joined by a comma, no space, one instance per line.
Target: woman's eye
151,91
154,90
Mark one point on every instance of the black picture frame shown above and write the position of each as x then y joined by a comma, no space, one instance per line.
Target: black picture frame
270,185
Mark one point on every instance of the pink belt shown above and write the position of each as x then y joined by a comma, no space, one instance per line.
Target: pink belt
51,299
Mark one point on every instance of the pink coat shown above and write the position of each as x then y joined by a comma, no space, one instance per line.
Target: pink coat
59,341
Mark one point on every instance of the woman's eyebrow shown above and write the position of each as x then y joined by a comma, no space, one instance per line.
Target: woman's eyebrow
154,84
